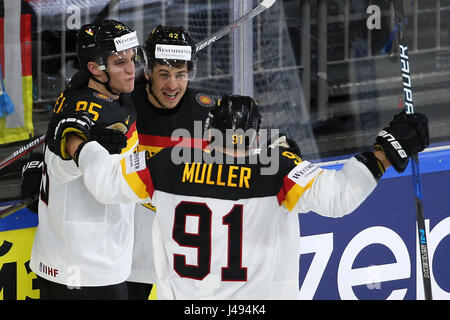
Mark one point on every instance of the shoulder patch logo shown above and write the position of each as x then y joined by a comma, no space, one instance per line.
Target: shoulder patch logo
205,100
303,173
102,96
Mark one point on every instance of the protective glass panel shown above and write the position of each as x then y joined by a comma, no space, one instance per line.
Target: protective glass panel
326,73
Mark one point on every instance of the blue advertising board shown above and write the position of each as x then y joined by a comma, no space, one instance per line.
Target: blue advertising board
372,252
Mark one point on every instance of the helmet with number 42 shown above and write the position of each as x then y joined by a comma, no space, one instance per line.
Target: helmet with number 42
172,46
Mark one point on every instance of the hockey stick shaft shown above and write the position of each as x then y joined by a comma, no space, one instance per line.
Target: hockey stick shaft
16,207
418,198
22,151
266,4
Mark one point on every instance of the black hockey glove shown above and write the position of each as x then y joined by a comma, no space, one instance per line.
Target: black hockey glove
406,134
61,126
31,180
111,137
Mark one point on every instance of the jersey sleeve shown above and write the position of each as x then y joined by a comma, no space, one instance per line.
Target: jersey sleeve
62,170
331,193
113,179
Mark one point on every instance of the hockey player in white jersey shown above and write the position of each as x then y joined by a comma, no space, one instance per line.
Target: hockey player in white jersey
83,248
224,230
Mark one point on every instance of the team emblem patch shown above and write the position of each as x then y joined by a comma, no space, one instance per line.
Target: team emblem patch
205,100
90,32
102,96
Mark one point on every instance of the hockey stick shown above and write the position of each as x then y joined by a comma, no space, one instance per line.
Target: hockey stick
22,151
409,108
16,207
266,4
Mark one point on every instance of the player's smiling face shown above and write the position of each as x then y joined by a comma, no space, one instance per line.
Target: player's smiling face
168,85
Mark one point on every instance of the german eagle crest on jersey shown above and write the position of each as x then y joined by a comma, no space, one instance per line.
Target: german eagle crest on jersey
205,100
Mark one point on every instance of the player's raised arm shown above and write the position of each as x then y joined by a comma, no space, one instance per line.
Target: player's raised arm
114,178
336,193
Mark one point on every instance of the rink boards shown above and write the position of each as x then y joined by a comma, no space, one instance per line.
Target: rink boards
369,254
372,253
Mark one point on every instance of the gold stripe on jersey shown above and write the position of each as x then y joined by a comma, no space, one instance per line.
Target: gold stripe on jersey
149,206
134,180
152,150
294,193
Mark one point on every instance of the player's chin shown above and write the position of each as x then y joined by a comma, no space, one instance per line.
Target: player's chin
169,105
128,87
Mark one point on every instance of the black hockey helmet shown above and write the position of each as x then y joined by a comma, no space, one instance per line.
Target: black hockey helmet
237,115
96,41
170,46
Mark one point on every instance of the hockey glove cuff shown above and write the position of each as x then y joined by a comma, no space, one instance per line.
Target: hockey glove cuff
79,123
372,163
111,137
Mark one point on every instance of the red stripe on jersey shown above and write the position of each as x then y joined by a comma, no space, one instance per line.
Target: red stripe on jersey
131,130
146,178
165,142
287,185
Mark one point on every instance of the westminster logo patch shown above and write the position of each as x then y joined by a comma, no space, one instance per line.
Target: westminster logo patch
135,162
205,100
303,173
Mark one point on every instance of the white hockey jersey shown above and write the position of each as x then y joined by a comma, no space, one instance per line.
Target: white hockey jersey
224,231
81,241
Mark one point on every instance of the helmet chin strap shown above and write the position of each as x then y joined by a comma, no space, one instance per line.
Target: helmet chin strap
106,84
